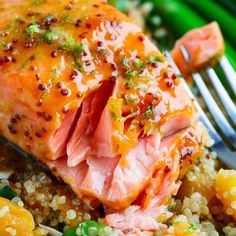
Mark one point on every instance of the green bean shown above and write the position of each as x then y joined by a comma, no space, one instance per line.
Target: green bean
7,192
212,11
90,228
230,5
181,18
119,4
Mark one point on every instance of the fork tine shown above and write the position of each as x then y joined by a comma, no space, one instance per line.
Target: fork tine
223,153
229,72
214,109
203,118
222,94
219,147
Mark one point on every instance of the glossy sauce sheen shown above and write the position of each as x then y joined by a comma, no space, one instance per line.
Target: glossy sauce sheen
54,53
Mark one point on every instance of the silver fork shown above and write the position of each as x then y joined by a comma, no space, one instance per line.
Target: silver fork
225,140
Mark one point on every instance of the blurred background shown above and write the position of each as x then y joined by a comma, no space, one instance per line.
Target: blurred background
167,20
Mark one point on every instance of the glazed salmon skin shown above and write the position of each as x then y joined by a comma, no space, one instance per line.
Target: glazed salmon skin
85,91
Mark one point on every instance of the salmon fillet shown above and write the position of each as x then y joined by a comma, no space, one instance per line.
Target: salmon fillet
86,92
56,54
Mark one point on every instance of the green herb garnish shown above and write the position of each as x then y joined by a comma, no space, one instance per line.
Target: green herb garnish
13,27
120,4
32,29
131,74
130,84
64,19
23,65
48,36
49,18
54,71
139,63
20,20
124,62
3,45
63,40
192,228
38,2
69,44
66,42
111,106
7,192
172,207
33,21
177,222
154,58
149,112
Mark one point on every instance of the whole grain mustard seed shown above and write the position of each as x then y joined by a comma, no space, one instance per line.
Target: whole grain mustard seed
53,54
64,92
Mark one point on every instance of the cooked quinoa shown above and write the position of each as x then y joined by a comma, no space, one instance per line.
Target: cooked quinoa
197,203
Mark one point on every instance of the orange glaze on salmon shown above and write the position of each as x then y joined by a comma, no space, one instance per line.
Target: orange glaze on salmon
85,91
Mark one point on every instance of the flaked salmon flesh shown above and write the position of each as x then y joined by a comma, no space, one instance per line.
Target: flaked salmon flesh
205,45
